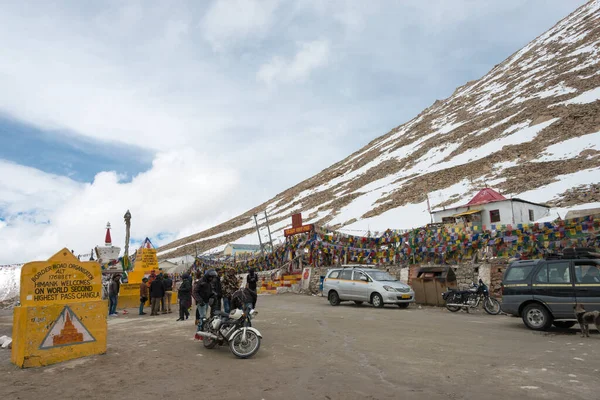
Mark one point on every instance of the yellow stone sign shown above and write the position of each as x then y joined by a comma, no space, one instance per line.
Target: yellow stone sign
145,261
62,315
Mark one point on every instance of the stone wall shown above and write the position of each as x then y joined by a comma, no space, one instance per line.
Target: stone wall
497,269
315,279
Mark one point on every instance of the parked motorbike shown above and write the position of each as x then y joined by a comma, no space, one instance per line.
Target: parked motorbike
471,298
233,329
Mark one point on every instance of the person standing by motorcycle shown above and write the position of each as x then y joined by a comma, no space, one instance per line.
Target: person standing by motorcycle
243,299
230,285
202,294
251,281
184,294
217,292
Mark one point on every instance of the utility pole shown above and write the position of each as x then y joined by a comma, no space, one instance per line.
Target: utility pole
262,250
429,208
269,230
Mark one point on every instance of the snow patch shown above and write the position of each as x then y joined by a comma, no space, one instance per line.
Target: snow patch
563,183
521,136
584,98
404,217
571,148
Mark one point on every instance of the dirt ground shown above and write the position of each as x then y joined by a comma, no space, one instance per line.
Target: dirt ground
311,350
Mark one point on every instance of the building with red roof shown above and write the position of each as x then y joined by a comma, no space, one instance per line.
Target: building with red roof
488,207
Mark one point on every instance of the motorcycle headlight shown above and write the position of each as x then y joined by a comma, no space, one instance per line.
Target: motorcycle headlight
389,288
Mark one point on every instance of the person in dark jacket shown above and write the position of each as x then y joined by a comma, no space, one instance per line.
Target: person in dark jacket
184,294
168,284
202,294
217,295
157,293
251,281
143,294
113,294
243,299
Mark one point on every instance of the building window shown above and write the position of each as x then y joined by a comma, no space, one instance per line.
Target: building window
531,215
495,216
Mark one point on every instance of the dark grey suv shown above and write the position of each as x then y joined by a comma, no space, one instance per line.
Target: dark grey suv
544,292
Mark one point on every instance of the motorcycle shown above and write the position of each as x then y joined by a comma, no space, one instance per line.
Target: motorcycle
234,329
471,298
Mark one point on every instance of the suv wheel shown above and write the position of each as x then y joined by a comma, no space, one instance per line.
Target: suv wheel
334,298
537,317
377,300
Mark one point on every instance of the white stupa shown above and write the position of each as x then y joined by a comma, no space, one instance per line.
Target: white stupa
108,252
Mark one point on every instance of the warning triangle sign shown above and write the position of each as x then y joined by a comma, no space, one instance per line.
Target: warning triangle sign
67,330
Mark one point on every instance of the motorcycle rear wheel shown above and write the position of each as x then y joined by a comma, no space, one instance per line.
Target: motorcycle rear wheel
452,299
491,306
246,350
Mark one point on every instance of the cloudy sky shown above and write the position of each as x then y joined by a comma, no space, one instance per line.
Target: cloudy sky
189,113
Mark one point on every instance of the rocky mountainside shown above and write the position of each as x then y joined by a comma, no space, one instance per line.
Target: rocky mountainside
529,128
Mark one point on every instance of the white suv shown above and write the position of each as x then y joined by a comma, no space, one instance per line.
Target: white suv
363,284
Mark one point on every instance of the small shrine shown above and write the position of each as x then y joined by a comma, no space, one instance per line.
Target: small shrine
108,255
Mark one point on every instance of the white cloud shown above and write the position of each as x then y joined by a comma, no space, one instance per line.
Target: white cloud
228,21
310,56
45,212
168,78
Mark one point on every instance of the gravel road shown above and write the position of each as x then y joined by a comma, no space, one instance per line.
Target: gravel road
311,350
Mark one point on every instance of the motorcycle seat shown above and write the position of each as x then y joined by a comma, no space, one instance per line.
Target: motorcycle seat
461,292
458,291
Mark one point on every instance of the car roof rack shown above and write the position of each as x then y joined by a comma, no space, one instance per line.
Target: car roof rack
575,253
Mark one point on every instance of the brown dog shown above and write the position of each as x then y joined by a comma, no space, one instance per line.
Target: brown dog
585,318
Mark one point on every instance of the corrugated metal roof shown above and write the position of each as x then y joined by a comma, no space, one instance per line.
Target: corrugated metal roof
236,246
466,213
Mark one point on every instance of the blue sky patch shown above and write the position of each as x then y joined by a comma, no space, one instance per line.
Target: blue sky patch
61,153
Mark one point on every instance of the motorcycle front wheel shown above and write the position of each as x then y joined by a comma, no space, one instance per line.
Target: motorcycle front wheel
491,306
241,349
453,299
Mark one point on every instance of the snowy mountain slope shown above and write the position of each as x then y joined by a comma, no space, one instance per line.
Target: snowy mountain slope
530,127
10,276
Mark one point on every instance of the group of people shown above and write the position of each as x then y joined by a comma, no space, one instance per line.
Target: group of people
211,289
159,289
219,290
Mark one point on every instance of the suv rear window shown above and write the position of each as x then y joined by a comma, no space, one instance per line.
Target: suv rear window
334,274
518,273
